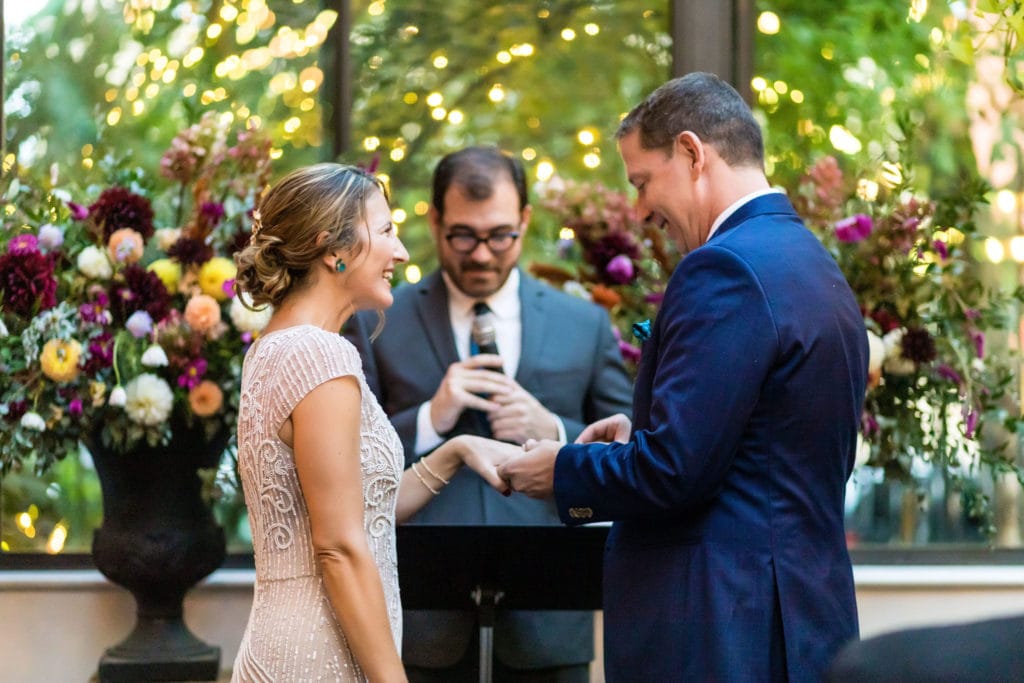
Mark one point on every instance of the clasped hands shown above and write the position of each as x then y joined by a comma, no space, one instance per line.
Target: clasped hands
514,414
531,469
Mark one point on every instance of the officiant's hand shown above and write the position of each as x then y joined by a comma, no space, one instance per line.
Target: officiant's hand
464,385
614,428
533,472
519,416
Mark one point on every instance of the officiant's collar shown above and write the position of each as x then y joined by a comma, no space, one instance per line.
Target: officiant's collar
504,302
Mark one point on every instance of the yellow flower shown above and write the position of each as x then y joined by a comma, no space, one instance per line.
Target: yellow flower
214,274
168,271
205,398
60,359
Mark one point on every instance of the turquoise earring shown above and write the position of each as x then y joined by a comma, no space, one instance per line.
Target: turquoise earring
340,266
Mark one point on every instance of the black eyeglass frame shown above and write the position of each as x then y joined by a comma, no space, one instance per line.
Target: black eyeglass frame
452,236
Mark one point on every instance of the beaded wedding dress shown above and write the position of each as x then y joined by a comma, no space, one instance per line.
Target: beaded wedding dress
292,634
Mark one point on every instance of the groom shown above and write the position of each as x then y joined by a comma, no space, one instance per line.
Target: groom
727,560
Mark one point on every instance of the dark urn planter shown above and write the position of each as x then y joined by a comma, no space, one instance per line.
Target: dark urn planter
158,539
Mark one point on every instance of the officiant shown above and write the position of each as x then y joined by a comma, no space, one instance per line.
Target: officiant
480,347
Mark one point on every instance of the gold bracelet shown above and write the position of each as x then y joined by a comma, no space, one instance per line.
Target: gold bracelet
435,475
423,481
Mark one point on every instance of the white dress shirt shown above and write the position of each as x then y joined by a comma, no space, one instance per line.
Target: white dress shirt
732,208
508,332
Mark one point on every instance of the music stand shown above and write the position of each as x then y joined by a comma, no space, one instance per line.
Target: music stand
522,567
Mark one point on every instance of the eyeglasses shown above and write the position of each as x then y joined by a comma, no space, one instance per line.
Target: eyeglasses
467,242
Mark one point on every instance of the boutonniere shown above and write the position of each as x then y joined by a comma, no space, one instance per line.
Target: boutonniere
642,330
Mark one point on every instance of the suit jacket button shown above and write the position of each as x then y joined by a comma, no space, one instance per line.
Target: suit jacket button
581,513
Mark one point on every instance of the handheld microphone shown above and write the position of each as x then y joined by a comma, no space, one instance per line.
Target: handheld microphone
483,332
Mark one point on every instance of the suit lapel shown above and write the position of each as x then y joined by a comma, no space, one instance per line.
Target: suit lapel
432,308
531,299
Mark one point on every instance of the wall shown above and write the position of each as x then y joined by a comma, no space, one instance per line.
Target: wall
54,625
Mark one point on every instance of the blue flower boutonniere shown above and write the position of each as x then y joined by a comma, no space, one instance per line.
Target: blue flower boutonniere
642,330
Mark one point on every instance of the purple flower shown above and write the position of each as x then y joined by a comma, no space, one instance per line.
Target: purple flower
78,212
978,337
655,298
948,373
139,324
970,422
868,425
629,352
75,407
941,249
212,211
972,314
23,244
228,287
96,311
855,228
193,373
620,269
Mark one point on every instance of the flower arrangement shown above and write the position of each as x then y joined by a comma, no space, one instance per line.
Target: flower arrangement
606,254
937,394
116,307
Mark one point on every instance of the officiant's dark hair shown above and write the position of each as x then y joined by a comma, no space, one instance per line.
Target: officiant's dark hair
283,246
704,104
474,170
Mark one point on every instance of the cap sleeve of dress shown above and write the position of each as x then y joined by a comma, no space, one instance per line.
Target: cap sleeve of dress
314,357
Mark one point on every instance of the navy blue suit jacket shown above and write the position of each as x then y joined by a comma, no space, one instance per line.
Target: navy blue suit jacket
727,560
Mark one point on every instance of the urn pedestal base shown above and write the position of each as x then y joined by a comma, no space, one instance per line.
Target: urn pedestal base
160,650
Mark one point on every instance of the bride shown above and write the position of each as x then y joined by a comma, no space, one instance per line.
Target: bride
321,466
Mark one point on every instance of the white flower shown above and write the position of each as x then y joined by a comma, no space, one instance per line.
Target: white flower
140,323
50,236
246,320
863,451
148,400
4,332
876,353
93,263
33,421
576,289
166,237
154,357
118,397
895,363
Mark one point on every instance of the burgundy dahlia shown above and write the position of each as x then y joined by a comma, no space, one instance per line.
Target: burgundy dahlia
188,251
117,208
601,252
142,290
27,282
918,346
99,354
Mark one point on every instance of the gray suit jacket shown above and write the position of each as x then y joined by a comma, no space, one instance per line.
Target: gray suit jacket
571,363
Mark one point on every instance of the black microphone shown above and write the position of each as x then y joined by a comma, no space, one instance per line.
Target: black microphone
483,330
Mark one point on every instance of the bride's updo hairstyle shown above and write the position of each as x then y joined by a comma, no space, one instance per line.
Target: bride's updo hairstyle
283,246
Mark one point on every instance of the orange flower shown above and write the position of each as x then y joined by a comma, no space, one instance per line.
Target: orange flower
126,246
202,312
206,398
605,296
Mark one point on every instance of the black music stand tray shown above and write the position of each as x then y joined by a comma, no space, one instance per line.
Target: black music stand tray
522,567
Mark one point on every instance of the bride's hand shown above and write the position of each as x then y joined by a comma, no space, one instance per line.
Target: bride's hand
484,456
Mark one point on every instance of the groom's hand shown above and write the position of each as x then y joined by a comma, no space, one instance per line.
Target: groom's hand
614,428
532,473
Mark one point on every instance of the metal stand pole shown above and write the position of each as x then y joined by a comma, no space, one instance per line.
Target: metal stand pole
486,600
